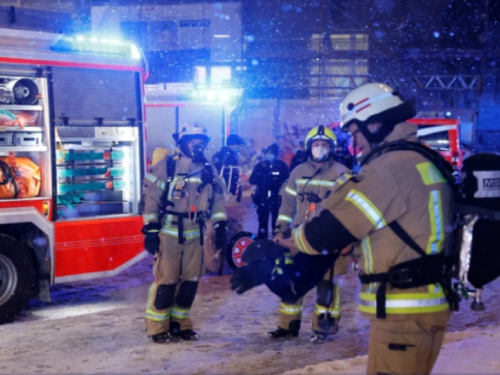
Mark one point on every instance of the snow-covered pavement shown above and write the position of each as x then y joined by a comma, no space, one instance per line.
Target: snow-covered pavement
98,327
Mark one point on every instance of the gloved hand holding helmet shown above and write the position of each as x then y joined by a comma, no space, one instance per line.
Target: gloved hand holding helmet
152,238
271,264
320,143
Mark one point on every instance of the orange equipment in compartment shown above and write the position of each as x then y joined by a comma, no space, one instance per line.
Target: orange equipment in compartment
19,178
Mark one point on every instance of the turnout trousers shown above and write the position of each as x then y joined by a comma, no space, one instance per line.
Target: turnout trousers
268,206
290,312
403,347
177,270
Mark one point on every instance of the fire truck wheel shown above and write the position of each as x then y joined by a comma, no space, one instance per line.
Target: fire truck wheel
236,247
17,278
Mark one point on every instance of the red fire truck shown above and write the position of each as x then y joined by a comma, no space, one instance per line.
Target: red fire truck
72,158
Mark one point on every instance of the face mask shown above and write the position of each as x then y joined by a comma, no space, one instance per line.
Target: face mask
319,153
270,157
197,152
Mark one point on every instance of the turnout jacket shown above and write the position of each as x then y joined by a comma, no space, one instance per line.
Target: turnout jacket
295,204
400,186
209,202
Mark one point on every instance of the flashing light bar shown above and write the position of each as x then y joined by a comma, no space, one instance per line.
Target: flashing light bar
93,44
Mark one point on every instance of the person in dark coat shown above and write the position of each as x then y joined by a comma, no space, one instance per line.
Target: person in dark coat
299,157
268,176
228,157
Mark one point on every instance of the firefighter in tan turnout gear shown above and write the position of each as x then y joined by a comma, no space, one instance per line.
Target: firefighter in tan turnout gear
180,194
395,211
303,195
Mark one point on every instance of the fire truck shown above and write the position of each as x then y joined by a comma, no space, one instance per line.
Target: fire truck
442,135
72,158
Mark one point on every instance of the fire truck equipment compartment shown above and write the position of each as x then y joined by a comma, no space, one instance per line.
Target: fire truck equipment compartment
30,177
27,139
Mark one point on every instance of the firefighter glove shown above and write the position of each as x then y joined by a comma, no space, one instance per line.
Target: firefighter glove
220,234
152,238
251,275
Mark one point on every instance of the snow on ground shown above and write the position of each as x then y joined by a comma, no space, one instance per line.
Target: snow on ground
98,327
471,352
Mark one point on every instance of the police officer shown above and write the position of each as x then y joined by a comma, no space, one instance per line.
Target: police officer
303,195
395,211
179,196
269,175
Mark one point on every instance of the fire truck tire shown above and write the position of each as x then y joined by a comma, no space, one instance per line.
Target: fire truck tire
236,247
17,278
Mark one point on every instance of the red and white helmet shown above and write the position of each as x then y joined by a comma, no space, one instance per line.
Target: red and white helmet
367,101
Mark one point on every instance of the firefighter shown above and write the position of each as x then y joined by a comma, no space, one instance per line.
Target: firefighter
179,196
228,156
395,211
303,194
269,175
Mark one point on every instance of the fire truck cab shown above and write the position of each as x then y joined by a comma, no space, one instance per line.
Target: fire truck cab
72,159
442,135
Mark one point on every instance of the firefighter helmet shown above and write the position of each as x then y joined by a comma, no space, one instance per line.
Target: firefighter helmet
321,133
190,132
374,102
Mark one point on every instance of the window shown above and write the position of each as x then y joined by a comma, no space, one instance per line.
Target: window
336,77
220,74
439,141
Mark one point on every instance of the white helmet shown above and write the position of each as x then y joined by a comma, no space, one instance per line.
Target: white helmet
367,101
192,131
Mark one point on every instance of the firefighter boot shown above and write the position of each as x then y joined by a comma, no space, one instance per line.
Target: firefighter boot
283,334
327,327
186,334
161,338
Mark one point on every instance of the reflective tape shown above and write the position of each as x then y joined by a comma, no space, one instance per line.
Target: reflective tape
173,232
290,191
193,180
150,177
335,312
290,309
324,183
157,317
286,219
299,240
219,216
366,247
150,217
430,174
343,179
436,219
180,313
367,208
161,185
405,303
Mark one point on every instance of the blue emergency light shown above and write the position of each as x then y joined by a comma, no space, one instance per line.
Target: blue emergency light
96,45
